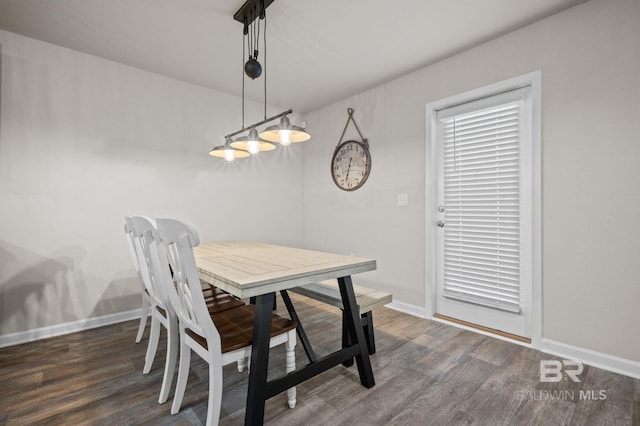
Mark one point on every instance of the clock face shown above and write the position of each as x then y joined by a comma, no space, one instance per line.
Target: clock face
351,165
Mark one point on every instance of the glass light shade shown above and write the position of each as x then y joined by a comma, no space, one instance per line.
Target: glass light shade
285,137
252,143
227,152
285,133
253,147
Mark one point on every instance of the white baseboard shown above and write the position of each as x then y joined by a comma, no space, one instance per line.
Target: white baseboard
66,328
608,362
416,311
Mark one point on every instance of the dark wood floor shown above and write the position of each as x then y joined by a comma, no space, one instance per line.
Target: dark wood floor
426,373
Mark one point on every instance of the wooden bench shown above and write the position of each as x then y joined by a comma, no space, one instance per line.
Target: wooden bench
366,299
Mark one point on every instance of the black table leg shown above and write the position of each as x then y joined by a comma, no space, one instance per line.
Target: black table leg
257,387
252,301
259,390
367,324
299,329
346,339
356,333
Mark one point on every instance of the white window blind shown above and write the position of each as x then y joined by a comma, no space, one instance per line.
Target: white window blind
482,205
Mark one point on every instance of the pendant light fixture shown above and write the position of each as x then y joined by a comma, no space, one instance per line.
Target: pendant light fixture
250,15
285,133
252,143
227,152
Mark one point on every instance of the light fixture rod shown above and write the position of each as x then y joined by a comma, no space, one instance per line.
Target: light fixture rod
260,123
251,10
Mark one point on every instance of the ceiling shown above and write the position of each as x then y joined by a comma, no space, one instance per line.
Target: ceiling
318,51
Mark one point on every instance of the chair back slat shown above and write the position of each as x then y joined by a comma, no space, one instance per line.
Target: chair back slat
184,295
185,291
137,252
144,238
129,232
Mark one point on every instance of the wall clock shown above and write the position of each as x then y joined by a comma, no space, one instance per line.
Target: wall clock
351,161
351,165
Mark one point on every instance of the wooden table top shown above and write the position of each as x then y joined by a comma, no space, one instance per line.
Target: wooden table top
247,269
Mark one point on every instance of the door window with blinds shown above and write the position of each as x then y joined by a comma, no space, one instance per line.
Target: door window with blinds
483,179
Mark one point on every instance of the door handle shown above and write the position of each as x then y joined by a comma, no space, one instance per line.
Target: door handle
440,224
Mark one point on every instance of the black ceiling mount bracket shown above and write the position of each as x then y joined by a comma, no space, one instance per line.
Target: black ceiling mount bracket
251,10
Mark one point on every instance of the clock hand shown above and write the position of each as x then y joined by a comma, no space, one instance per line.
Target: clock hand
348,168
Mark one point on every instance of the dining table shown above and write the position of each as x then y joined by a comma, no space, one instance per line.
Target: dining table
257,270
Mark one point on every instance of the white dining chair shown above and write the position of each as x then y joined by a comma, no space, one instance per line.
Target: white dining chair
219,339
146,298
161,313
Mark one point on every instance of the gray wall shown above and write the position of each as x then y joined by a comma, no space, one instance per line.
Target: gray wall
84,142
590,61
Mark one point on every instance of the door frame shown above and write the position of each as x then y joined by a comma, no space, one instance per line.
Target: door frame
533,80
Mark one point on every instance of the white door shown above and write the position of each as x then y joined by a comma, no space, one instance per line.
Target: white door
483,197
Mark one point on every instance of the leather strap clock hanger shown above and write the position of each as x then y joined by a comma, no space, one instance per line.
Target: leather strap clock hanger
351,161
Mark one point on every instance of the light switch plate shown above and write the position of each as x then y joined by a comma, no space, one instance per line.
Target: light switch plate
403,199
